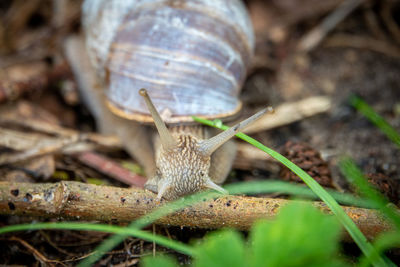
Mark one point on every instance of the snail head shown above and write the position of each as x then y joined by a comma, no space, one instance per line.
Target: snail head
183,160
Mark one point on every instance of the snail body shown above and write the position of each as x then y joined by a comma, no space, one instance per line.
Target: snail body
192,57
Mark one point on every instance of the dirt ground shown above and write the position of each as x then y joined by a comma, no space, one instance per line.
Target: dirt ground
340,72
359,56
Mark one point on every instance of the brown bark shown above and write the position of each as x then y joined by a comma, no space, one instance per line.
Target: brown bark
104,203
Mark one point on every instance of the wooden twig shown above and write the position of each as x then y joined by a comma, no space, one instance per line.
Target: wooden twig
249,157
54,129
316,35
16,18
111,168
43,147
39,256
28,77
30,145
363,42
112,204
291,112
17,140
387,10
372,22
38,125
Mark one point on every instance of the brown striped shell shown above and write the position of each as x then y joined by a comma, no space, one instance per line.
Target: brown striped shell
191,55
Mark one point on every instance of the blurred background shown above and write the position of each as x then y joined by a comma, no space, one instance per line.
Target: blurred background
331,49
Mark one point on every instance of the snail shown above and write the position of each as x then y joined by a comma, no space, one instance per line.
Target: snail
191,56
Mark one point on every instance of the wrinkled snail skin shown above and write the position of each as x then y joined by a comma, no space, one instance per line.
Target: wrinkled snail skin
183,160
192,57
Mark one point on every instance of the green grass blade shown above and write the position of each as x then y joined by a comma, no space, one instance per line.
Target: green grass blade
376,119
166,209
297,190
358,237
356,234
178,246
384,242
354,174
239,188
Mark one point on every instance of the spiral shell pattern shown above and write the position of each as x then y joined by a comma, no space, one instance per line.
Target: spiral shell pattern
191,55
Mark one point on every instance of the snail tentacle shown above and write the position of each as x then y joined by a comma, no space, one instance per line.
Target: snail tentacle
209,146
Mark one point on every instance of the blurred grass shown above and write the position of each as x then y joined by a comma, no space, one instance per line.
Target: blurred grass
161,240
357,178
375,118
370,253
239,188
358,237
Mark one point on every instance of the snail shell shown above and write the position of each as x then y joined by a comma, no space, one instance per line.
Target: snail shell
191,56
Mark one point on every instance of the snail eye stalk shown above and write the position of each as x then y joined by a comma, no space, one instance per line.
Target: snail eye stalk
167,140
209,146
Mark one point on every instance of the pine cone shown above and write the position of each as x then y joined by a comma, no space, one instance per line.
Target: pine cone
309,160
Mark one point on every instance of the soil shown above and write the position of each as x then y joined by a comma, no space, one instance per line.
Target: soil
337,71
